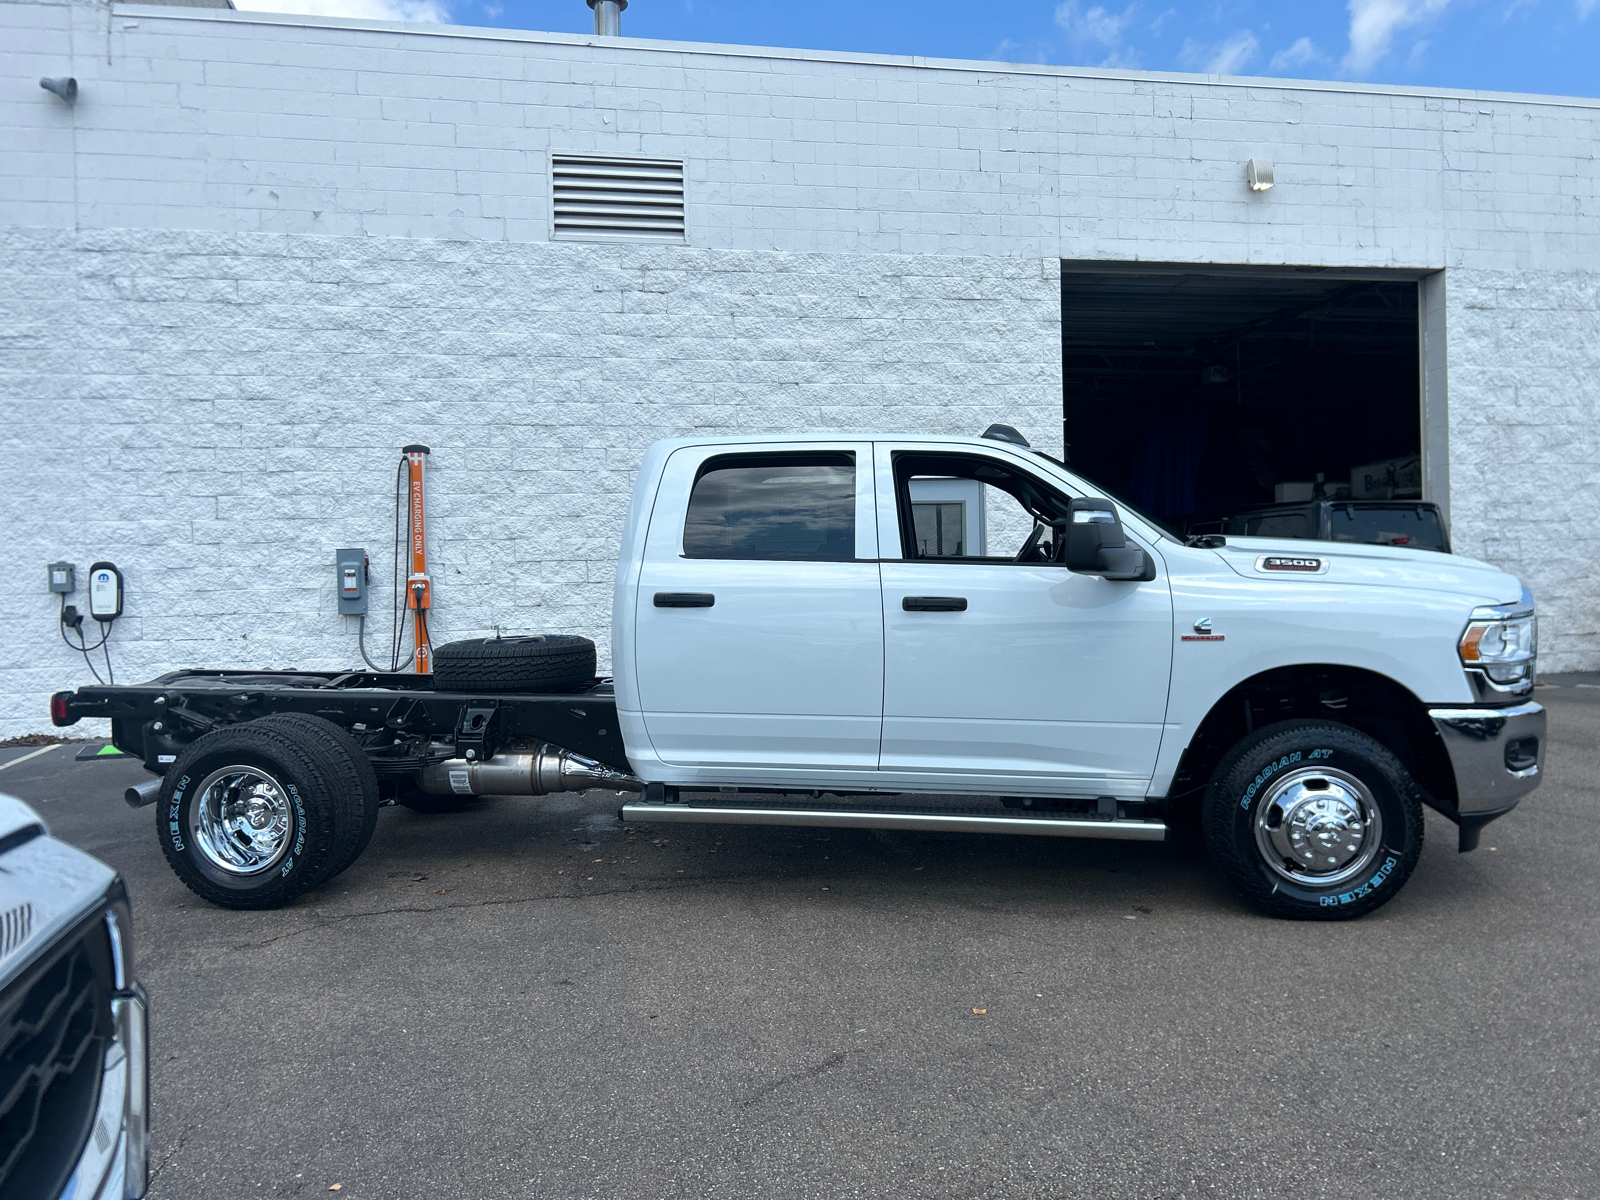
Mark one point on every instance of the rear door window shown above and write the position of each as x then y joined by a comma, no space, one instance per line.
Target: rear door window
784,507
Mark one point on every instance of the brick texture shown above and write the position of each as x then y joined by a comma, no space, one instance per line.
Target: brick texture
217,413
263,252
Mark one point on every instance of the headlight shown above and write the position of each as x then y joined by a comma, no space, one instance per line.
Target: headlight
1503,648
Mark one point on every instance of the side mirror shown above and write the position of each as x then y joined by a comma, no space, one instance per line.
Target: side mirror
1096,545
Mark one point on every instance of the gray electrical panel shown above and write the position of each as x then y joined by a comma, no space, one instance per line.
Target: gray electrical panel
350,578
62,578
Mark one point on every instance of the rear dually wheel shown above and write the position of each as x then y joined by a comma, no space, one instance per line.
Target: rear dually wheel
252,815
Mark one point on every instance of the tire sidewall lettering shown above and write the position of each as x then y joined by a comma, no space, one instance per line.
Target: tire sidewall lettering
1283,762
299,830
175,814
1391,859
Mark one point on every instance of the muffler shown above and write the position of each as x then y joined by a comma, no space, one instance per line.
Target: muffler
548,769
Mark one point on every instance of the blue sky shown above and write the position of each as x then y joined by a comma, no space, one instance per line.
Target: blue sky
1549,46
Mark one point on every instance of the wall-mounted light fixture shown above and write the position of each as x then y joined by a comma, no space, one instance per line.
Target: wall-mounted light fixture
1258,171
66,87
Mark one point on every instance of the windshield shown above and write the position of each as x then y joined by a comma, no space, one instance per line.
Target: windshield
1165,527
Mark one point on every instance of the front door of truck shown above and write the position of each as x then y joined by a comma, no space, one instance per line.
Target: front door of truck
759,624
1002,672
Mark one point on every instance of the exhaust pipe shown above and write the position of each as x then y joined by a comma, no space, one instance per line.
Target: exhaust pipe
144,793
549,769
607,17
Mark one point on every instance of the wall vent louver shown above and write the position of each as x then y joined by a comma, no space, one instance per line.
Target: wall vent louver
605,198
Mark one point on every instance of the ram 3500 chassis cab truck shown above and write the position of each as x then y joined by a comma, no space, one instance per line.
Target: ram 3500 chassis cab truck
904,632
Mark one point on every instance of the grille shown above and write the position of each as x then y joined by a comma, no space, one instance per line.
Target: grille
55,1022
15,926
597,198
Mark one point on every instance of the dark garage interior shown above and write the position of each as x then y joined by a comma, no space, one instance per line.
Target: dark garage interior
1194,393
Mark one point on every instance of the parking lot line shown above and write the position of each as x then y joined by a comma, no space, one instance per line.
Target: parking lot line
24,758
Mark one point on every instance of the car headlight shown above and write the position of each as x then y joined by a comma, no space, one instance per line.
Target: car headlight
1503,648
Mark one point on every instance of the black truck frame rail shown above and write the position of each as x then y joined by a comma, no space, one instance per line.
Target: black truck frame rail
398,719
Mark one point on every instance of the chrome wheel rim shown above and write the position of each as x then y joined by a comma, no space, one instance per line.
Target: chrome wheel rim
1319,827
241,820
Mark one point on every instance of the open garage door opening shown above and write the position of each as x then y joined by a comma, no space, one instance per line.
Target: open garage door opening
1196,393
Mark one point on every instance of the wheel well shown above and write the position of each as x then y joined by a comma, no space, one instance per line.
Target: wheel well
1364,700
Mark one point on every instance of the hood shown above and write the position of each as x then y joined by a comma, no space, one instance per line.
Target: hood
16,816
46,887
1377,566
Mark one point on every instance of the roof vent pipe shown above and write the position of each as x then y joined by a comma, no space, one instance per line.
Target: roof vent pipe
608,16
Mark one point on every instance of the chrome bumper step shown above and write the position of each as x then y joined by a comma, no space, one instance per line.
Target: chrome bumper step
852,818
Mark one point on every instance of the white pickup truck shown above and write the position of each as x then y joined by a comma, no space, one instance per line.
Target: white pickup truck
905,632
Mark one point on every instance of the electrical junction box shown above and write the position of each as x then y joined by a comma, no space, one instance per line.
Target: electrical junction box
63,578
350,578
105,591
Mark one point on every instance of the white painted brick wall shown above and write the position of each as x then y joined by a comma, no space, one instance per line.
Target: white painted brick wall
263,252
258,123
1525,443
217,413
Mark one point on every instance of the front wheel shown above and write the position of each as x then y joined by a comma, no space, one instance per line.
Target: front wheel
1312,820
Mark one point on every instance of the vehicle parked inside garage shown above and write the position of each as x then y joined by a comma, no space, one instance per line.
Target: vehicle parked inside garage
1417,524
808,629
74,1057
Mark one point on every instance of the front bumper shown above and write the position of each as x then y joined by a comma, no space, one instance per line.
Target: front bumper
1498,758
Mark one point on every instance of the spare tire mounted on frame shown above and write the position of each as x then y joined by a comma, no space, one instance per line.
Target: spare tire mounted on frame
549,662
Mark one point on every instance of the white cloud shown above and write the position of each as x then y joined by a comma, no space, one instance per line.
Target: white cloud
428,12
1098,31
1585,7
1017,52
1229,58
1096,25
1374,23
1296,56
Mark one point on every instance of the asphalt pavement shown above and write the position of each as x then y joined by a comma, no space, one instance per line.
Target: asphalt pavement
529,999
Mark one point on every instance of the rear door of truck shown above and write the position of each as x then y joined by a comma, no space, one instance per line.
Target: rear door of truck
759,620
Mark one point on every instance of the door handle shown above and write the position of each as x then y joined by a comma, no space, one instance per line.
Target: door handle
934,604
688,600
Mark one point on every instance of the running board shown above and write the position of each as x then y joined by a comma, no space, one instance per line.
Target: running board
690,814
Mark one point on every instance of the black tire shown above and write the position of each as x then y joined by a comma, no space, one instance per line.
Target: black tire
550,662
353,770
314,816
1323,866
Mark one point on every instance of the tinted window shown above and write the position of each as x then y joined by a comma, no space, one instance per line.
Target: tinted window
774,506
941,526
1418,528
1008,503
1289,525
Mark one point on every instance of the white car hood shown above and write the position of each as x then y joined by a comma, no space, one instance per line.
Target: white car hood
15,816
1380,566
